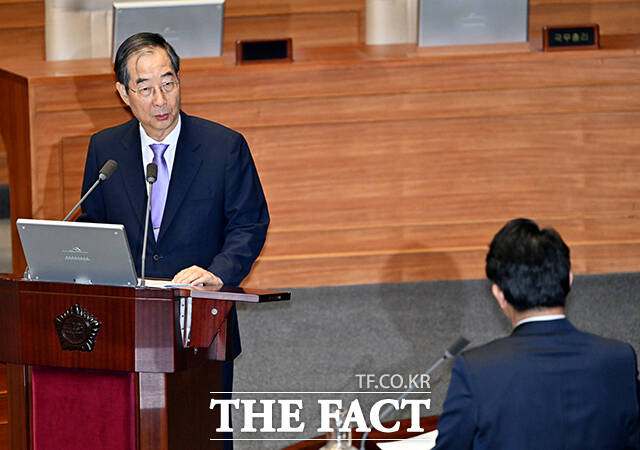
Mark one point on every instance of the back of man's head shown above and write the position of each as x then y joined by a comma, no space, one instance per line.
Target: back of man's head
531,266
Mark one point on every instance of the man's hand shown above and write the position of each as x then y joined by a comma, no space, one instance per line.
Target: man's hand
196,275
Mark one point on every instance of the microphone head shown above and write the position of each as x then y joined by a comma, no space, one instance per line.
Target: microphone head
152,173
107,170
456,348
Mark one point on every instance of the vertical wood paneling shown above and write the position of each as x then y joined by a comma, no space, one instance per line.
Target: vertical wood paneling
15,129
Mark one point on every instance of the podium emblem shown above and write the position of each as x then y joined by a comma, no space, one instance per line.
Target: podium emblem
77,329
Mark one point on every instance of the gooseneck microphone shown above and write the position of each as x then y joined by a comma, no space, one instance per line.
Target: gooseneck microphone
451,352
152,176
103,175
456,348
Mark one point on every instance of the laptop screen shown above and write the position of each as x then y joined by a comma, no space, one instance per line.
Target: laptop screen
77,252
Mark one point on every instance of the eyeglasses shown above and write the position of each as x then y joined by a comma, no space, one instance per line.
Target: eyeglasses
148,91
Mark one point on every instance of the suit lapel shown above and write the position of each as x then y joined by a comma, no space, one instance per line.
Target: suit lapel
130,166
186,164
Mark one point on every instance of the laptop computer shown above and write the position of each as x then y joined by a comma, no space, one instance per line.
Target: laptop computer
77,252
193,27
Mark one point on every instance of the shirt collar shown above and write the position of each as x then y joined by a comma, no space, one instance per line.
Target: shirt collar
544,318
171,138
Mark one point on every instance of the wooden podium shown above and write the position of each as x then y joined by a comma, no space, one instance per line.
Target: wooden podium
96,366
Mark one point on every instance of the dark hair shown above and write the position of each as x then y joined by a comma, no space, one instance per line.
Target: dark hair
136,43
531,266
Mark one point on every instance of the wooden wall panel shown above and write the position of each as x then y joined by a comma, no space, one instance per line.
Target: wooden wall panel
306,30
255,116
420,105
350,75
412,266
309,242
28,44
365,190
307,22
449,167
21,30
21,15
237,8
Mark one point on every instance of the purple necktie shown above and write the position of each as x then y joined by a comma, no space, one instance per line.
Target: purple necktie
160,187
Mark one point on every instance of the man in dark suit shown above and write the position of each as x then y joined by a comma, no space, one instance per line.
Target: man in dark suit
547,385
208,211
213,222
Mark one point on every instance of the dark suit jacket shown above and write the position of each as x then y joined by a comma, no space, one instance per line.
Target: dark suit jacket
215,215
547,386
